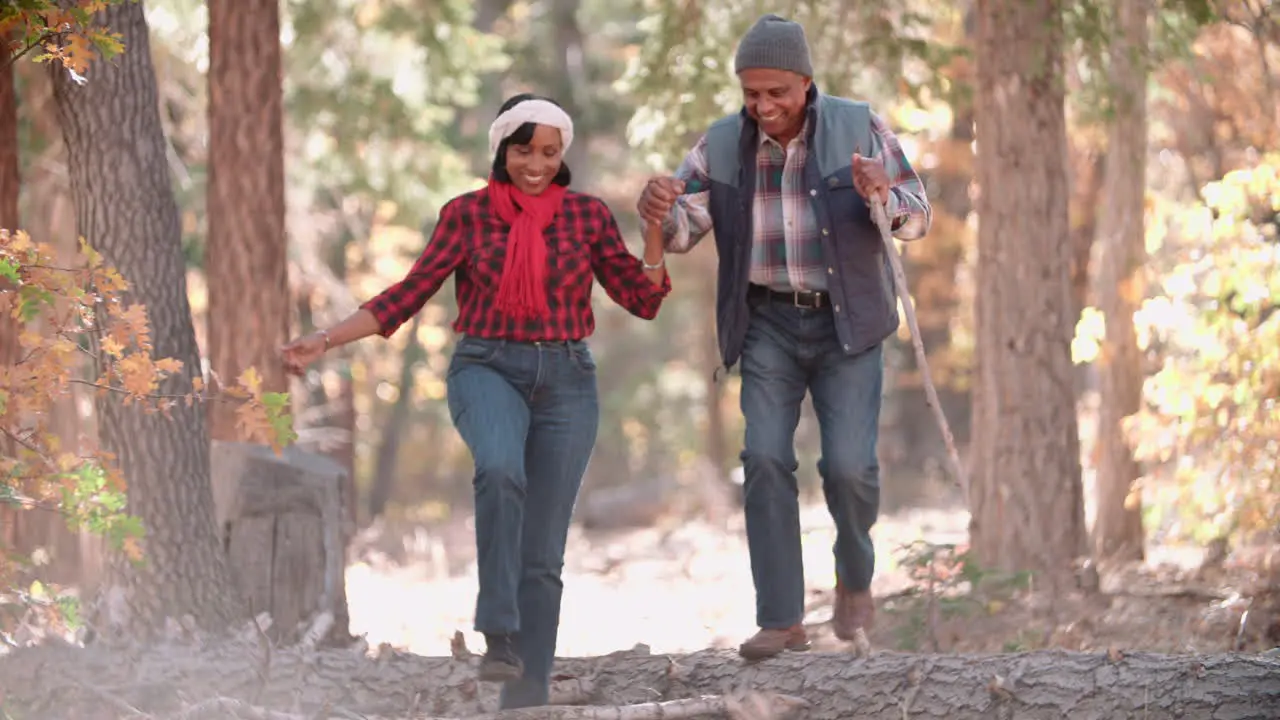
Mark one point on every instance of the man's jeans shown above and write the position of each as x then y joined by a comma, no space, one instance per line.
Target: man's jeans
528,413
788,350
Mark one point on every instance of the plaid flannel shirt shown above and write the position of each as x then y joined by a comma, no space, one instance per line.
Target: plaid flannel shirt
786,251
471,240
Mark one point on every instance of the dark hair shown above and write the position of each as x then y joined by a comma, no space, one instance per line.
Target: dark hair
522,136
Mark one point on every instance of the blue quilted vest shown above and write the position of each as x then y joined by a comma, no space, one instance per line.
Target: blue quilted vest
860,279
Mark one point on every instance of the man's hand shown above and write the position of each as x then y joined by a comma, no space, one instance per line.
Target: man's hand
659,195
870,178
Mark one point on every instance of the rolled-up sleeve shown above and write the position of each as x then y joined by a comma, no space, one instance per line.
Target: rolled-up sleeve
910,214
690,218
620,273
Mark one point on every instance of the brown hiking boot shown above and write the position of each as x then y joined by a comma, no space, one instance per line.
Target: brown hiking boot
854,609
771,641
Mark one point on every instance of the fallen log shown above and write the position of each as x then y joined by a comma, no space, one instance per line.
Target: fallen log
61,681
752,706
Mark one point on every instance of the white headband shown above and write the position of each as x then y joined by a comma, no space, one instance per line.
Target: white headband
540,112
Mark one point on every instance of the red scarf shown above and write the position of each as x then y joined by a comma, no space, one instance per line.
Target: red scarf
522,291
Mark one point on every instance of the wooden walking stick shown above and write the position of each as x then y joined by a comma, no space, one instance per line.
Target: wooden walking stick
881,219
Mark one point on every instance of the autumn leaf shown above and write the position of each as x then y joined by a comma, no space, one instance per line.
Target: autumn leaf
19,242
112,347
55,307
132,548
251,381
137,374
169,366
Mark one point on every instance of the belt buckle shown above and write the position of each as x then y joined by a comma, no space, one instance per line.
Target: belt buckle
814,303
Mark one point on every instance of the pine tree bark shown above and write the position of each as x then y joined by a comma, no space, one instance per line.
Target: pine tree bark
125,207
10,185
1040,685
245,256
1026,499
10,175
1119,287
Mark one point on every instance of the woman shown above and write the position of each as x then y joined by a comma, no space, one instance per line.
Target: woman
521,384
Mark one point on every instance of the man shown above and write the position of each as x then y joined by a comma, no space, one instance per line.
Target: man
805,298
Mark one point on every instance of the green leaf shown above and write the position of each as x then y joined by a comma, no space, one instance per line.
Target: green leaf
107,44
275,401
9,270
30,301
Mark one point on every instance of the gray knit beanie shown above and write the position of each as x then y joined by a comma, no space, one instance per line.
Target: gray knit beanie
774,43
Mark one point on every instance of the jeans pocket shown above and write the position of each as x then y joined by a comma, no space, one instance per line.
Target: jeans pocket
480,350
582,358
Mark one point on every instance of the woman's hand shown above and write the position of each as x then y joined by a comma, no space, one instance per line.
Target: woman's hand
303,351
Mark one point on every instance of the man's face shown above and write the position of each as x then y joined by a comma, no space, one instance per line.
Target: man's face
775,100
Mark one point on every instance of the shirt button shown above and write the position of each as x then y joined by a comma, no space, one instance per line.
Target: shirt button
846,346
831,271
837,308
824,231
813,193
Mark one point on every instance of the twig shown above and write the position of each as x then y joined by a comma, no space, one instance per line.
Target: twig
316,632
27,445
881,219
48,35
233,708
264,642
119,702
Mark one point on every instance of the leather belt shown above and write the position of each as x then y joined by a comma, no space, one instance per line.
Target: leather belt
811,300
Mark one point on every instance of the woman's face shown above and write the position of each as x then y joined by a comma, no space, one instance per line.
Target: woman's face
532,166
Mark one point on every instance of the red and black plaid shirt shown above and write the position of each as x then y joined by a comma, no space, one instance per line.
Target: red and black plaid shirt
471,240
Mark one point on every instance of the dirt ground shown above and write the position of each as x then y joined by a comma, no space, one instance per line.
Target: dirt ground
688,587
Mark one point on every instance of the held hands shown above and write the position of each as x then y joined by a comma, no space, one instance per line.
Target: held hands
659,194
303,351
870,179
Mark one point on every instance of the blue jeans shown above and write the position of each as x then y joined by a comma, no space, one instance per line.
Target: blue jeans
789,350
528,413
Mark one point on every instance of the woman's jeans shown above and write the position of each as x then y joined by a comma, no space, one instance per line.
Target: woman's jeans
528,412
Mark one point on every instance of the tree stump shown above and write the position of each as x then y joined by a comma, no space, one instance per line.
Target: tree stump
280,520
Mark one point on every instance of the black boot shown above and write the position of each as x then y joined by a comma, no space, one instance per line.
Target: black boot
500,662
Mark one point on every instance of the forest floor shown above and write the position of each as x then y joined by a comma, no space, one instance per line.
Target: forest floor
683,592
688,586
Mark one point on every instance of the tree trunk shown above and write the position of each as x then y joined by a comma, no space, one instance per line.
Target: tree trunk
126,209
341,683
573,91
912,448
1120,286
1026,499
10,175
246,251
10,185
47,214
393,430
1090,166
473,122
